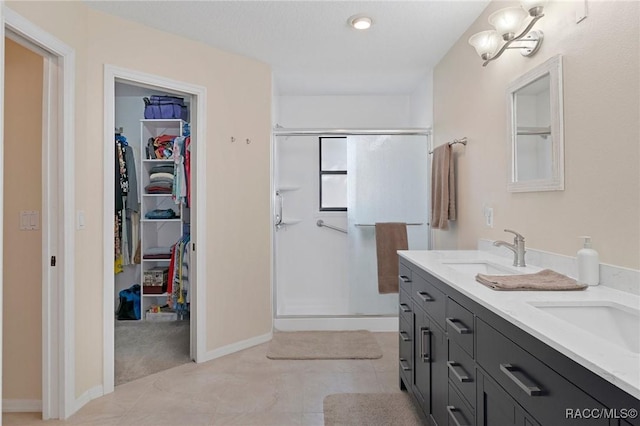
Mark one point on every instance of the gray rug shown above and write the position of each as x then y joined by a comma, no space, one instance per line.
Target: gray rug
146,347
324,345
371,409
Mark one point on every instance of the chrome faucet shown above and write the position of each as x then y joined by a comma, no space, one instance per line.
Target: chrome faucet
517,248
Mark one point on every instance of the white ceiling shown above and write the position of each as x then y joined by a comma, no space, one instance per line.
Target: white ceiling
309,45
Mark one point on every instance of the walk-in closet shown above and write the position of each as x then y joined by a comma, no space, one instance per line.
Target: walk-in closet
152,233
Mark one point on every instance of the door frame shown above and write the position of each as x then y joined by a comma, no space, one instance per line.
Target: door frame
198,228
58,203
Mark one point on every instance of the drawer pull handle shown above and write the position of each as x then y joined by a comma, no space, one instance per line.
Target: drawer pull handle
424,332
405,308
509,370
404,365
453,413
425,296
462,378
405,279
460,330
405,336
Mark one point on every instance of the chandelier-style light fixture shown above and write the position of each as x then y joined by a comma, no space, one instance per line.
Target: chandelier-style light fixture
507,22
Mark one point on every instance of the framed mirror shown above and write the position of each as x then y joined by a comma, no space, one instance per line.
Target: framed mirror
535,130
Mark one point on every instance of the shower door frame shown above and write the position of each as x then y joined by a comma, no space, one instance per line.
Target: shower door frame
342,322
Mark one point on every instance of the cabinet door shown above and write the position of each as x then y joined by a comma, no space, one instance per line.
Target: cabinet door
422,359
494,406
439,376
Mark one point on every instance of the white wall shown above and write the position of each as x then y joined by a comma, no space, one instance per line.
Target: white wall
601,109
421,103
331,112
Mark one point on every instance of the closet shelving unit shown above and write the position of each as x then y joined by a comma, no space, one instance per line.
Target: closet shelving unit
158,232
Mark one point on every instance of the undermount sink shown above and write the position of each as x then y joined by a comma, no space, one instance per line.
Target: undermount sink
478,267
618,324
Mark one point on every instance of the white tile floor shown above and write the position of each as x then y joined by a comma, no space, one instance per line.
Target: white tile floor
245,388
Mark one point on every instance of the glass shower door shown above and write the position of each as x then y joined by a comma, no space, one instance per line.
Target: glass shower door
388,181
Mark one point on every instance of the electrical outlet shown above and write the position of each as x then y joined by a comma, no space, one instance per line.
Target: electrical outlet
488,217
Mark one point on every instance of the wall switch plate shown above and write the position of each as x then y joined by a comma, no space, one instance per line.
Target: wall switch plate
29,220
488,217
81,223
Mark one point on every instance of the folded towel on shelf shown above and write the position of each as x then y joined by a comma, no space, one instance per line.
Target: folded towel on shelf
163,168
160,176
161,214
390,237
544,280
157,250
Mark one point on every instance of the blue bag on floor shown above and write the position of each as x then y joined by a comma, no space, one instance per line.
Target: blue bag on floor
129,307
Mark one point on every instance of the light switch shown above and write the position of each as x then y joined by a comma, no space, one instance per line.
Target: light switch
488,217
29,220
81,222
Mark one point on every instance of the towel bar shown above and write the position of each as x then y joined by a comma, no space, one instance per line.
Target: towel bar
373,224
320,223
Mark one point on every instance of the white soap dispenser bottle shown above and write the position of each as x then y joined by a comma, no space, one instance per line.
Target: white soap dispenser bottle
588,264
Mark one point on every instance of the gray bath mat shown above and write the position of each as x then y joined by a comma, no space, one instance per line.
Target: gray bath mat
324,345
371,409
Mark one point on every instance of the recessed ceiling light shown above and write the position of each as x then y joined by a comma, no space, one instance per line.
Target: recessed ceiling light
360,22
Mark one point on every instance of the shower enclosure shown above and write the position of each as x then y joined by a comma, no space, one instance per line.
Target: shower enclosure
330,189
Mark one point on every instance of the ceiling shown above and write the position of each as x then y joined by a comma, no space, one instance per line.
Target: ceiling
310,46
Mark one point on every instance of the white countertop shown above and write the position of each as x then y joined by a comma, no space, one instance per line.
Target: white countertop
614,363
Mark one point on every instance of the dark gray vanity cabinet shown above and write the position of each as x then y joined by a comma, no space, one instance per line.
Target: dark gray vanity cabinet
465,365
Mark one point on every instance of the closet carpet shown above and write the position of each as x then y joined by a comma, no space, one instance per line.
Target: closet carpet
146,347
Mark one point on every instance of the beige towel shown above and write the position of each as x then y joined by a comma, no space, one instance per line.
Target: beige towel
443,192
543,280
390,237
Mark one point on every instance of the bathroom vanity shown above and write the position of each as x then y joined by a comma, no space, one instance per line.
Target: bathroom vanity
470,355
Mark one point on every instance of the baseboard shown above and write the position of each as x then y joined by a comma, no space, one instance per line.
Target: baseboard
21,406
337,323
235,347
89,395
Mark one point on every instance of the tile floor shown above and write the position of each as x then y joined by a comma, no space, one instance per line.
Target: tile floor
245,388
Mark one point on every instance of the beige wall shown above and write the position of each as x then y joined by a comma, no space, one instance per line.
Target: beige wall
238,175
22,273
601,110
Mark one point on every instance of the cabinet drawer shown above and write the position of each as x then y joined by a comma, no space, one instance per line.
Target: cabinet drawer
539,389
460,325
459,414
429,298
462,372
405,337
405,310
404,277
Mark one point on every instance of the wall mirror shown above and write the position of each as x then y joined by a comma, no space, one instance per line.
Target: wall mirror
536,134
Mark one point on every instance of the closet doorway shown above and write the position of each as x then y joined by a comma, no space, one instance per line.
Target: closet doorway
152,290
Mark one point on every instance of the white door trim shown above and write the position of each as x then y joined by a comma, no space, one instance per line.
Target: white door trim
198,129
58,393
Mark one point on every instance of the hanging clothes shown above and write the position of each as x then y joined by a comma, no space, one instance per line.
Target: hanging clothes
132,206
121,193
178,287
179,193
187,168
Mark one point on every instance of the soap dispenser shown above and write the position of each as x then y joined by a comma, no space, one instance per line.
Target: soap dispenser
588,264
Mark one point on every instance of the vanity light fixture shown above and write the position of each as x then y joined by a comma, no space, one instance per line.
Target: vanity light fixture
507,22
360,22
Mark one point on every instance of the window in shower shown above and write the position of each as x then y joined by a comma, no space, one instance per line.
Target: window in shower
333,173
